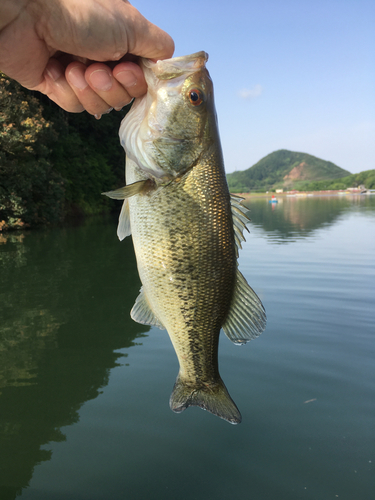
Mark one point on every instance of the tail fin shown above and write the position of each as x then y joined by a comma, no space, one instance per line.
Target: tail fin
214,399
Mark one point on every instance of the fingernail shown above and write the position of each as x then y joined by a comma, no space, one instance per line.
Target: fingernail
108,111
127,78
53,72
119,108
77,78
101,80
97,116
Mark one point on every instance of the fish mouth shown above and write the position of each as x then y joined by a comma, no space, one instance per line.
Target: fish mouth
167,69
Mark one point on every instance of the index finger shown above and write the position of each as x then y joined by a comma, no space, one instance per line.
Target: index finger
131,78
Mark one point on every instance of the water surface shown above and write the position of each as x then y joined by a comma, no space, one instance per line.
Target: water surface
84,390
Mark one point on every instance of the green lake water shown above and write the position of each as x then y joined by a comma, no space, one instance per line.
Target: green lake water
84,390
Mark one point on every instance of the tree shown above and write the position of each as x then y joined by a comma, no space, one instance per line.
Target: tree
31,191
54,163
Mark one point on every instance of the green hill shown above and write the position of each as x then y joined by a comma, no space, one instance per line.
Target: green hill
284,169
365,178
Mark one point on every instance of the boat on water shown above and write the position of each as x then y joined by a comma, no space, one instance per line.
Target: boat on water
273,199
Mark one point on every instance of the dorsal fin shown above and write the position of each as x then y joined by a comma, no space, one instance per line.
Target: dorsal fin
239,220
246,319
142,313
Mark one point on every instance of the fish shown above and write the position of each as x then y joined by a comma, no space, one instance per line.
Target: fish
186,228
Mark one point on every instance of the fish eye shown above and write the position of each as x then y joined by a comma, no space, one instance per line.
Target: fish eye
196,97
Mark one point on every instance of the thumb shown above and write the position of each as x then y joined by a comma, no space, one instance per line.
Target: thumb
146,39
103,30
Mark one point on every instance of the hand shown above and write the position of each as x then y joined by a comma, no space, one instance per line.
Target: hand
80,54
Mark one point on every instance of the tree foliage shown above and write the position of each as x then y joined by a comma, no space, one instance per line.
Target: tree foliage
53,163
31,190
365,178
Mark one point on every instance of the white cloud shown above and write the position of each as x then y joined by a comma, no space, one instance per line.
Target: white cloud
252,93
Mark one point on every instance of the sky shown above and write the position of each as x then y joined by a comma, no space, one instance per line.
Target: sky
297,75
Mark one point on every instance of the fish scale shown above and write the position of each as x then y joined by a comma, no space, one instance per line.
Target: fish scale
184,254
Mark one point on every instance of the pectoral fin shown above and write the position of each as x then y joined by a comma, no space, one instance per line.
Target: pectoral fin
130,190
142,313
246,319
139,187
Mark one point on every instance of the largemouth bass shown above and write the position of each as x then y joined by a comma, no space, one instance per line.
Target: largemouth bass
186,229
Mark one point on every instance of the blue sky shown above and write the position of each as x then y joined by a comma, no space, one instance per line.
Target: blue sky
296,75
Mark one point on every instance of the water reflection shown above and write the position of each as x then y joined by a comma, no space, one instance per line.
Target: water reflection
65,297
57,290
298,217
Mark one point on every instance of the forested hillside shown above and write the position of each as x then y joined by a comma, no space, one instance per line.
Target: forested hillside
365,178
283,168
53,163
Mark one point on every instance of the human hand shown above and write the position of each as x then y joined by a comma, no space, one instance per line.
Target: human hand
80,54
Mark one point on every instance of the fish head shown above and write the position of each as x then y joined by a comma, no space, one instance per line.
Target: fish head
167,130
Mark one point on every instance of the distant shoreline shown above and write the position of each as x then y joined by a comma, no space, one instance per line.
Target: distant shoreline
302,194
